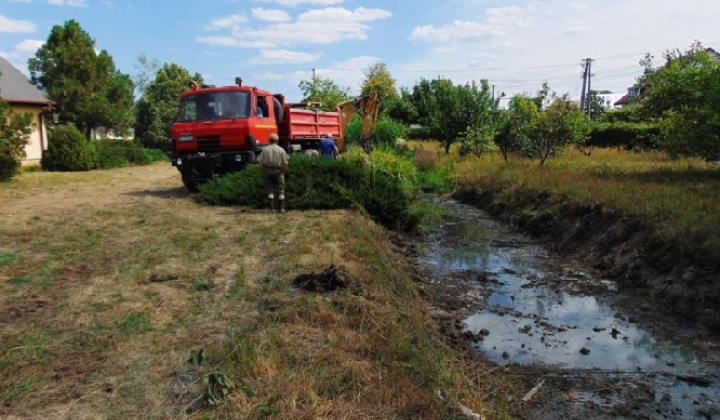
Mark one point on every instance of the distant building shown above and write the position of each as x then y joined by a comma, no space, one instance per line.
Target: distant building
23,96
635,91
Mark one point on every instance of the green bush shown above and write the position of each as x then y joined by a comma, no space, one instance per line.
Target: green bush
119,153
69,150
626,135
15,131
313,183
8,167
387,132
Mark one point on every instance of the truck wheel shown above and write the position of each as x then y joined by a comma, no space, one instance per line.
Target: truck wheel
191,185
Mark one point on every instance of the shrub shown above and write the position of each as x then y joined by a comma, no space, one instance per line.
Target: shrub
313,183
14,135
387,131
68,150
8,167
119,153
625,135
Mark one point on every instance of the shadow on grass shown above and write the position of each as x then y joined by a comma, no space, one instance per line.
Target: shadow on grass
166,193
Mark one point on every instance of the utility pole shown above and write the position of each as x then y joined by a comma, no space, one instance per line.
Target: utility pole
585,96
313,86
589,91
582,93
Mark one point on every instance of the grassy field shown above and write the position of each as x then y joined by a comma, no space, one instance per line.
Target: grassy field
121,297
681,198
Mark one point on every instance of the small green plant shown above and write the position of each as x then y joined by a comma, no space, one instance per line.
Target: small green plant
219,386
265,408
7,258
133,324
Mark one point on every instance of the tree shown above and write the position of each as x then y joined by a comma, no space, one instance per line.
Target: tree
158,107
147,69
324,91
448,110
379,80
87,89
685,95
561,124
401,108
519,119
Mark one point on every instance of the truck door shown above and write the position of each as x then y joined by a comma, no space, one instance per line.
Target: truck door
265,120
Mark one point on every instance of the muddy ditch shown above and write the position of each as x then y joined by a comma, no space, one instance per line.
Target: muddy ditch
571,343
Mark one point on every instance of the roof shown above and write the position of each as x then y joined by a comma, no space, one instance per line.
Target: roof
15,86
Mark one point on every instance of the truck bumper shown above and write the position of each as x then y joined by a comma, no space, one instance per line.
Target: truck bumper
206,166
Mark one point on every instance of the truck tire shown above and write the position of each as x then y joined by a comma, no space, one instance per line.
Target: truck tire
279,112
191,185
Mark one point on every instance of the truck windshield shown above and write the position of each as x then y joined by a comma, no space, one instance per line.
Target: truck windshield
214,106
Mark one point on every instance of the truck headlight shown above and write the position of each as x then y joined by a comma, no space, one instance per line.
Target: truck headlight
178,161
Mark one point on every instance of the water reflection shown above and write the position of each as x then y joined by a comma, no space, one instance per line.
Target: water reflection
528,321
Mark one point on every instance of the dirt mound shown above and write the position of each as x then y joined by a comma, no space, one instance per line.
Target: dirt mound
333,278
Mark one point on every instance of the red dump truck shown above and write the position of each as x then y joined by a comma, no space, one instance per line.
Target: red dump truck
220,130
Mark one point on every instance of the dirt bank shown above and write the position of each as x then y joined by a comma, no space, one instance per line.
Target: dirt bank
681,279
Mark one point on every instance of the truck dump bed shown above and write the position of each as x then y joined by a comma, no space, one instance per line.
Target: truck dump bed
304,127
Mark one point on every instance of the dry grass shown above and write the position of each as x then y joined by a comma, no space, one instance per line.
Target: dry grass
682,197
111,280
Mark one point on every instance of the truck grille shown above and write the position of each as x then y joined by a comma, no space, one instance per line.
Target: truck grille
208,142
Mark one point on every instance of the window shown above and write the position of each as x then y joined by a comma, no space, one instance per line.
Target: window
214,106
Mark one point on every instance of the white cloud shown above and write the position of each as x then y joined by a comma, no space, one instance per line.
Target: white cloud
72,3
16,26
319,26
282,57
226,22
270,15
20,54
108,4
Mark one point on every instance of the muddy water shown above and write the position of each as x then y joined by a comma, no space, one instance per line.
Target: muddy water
533,309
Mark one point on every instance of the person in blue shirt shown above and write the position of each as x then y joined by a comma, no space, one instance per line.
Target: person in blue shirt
328,148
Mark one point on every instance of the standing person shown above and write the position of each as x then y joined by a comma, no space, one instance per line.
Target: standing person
274,162
328,147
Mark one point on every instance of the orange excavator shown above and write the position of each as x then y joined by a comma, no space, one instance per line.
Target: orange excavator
369,107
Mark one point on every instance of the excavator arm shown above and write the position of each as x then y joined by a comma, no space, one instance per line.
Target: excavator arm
369,106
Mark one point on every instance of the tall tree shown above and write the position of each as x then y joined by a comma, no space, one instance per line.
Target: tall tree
147,69
448,110
379,80
684,95
158,107
323,90
87,89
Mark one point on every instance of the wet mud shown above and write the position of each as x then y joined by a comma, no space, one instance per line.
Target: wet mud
573,345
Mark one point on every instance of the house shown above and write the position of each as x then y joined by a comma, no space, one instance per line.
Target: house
635,91
23,96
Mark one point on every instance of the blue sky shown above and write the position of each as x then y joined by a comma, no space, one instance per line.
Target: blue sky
274,44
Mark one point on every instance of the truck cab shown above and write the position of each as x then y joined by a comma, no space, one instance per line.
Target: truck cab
220,130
